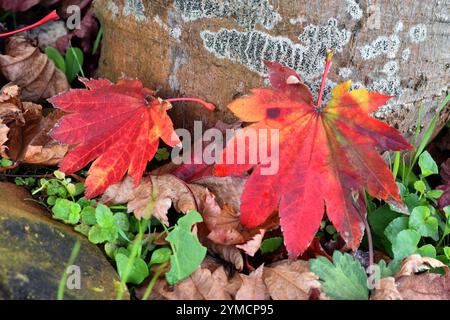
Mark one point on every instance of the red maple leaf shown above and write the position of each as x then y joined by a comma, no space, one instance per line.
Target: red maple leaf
117,125
327,156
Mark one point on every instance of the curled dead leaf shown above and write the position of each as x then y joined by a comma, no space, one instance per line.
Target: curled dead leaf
425,286
228,253
153,196
387,290
201,285
416,263
290,280
24,131
253,287
25,65
253,245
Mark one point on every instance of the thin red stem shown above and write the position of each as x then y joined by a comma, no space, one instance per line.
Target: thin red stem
207,105
329,57
15,165
53,16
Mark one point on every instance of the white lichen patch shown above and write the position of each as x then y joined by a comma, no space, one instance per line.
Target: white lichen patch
399,27
390,68
418,33
345,73
382,45
113,8
405,54
353,9
136,9
174,32
247,13
251,48
297,20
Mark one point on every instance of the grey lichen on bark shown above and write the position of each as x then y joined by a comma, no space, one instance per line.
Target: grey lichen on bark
213,49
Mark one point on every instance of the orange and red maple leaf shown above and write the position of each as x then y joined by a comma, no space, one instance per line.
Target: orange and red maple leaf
327,157
117,125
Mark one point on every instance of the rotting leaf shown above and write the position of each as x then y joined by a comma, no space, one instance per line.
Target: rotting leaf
290,280
29,68
201,285
152,197
24,131
253,287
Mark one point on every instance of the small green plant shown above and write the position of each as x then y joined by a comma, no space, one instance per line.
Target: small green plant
126,240
425,230
71,64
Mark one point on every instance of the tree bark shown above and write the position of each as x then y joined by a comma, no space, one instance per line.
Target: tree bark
213,49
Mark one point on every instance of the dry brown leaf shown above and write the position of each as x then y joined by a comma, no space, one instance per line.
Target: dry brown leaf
223,222
153,196
387,290
253,245
42,148
425,286
25,65
201,285
27,139
228,253
416,263
290,280
228,190
253,287
231,285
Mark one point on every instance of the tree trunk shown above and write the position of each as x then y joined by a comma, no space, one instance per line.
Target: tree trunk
213,49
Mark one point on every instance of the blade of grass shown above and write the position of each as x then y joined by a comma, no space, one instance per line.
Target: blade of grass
62,282
427,135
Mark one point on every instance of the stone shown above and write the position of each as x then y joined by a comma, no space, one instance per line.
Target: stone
212,49
34,250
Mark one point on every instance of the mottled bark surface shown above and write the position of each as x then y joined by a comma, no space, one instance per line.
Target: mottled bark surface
213,49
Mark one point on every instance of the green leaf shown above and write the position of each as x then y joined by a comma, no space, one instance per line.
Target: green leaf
138,271
88,216
379,219
83,202
344,279
106,228
420,186
271,244
162,154
83,229
54,55
423,222
5,163
405,243
188,252
104,216
427,250
427,165
411,200
121,220
67,211
393,228
447,252
389,270
160,255
435,194
74,63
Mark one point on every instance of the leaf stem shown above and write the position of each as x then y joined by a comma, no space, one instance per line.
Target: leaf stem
15,165
52,16
205,104
329,57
